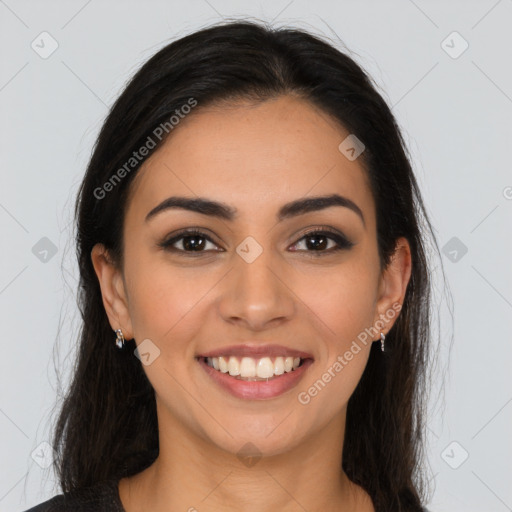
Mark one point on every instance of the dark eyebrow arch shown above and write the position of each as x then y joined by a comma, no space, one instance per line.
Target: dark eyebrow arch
198,205
226,212
311,204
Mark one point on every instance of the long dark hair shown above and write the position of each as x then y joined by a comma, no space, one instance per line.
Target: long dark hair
107,426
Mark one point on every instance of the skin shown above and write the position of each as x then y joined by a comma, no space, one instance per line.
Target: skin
254,158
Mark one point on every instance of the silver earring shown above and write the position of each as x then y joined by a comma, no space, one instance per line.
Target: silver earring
382,339
119,339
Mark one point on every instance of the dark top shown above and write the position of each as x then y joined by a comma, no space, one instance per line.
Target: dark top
102,497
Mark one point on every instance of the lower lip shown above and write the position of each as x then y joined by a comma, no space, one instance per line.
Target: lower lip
257,390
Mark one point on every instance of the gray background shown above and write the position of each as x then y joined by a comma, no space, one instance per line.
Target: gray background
455,112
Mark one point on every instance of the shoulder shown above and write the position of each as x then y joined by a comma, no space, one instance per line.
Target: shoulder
51,505
102,497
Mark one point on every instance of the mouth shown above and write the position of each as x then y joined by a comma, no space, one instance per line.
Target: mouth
251,369
262,375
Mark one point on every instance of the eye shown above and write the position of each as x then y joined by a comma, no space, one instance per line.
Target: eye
322,241
188,241
317,242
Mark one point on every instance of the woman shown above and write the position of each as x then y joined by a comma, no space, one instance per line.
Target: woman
248,226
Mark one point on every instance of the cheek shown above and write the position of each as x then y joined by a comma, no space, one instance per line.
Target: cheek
166,308
343,298
166,304
343,304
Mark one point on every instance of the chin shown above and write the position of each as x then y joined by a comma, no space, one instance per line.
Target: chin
263,438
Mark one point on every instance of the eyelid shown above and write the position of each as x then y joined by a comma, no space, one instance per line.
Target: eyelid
170,240
338,237
326,229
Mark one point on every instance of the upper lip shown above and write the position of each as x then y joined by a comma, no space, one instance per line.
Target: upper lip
256,351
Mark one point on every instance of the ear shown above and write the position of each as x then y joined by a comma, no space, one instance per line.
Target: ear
112,290
393,285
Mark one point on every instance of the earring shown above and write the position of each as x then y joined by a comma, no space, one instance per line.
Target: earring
119,339
382,339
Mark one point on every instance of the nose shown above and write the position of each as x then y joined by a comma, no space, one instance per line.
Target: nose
257,295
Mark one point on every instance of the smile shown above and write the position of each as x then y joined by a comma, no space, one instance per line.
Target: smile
251,368
255,378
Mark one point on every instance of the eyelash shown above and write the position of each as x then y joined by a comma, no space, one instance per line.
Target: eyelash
341,241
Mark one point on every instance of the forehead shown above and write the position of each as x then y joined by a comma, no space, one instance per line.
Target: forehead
256,157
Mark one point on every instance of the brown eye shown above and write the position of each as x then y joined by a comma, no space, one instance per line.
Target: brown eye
322,241
317,242
190,241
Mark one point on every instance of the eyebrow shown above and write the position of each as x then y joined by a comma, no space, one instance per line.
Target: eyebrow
226,212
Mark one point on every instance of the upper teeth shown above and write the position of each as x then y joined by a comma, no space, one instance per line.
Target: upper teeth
250,367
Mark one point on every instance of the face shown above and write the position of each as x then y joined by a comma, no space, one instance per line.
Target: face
304,278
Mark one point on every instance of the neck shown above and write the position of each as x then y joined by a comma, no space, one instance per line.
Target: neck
192,474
